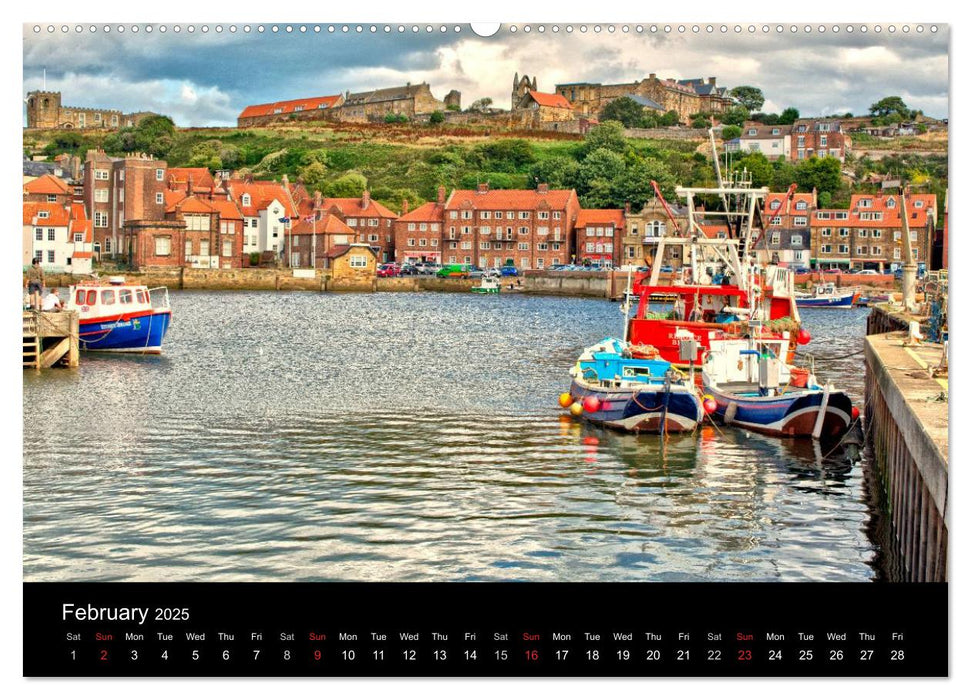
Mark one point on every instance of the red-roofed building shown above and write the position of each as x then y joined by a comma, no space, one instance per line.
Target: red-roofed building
533,228
267,208
544,107
418,233
48,189
304,108
59,234
868,235
787,238
600,236
372,222
315,232
213,235
201,181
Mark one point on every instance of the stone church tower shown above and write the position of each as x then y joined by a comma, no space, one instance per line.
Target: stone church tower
520,86
43,109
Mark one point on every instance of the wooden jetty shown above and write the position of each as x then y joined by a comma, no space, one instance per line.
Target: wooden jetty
907,419
51,339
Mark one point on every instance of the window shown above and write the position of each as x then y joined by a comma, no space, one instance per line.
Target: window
51,236
485,245
204,248
799,221
826,232
866,202
485,230
373,238
466,214
227,248
524,263
795,239
510,215
455,215
523,230
163,246
422,227
896,253
542,246
38,234
188,247
826,248
752,132
863,233
524,246
844,232
352,222
822,140
484,214
434,243
841,215
159,198
542,230
498,215
801,206
524,215
411,241
775,204
107,245
79,238
843,248
776,220
411,227
466,229
775,132
358,261
861,250
775,239
539,263
466,245
823,215
876,233
918,204
101,195
372,222
497,246
108,297
877,250
100,174
159,174
543,215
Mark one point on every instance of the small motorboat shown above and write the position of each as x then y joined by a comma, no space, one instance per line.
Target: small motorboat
487,285
753,389
637,394
118,317
827,296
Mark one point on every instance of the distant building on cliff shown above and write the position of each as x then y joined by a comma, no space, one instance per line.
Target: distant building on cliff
45,111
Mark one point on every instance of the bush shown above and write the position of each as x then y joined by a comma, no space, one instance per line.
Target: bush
254,259
436,117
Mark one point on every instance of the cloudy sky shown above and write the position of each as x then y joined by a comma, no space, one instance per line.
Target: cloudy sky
206,79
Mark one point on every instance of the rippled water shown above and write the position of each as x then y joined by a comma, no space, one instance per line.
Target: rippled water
411,437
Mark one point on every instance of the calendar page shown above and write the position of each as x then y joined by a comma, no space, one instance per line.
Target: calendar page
546,349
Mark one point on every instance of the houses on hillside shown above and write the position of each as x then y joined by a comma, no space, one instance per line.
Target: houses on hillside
803,139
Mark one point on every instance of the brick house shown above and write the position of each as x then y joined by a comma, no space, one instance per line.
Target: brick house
314,233
305,108
818,137
418,233
120,189
372,222
600,236
533,228
787,236
59,234
542,107
157,243
213,235
48,189
868,234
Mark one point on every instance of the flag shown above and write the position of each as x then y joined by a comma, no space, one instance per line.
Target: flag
285,220
309,219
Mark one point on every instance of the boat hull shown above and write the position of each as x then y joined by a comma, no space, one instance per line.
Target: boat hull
844,301
792,415
140,332
639,410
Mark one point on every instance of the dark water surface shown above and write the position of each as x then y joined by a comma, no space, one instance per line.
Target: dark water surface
370,437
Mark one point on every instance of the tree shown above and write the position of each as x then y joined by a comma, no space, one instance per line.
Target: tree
437,117
789,115
480,105
889,106
314,175
731,132
749,97
669,118
608,135
559,172
758,166
734,115
624,110
822,173
351,184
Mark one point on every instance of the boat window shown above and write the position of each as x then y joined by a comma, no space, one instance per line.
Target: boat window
637,371
79,297
107,296
124,296
141,296
92,298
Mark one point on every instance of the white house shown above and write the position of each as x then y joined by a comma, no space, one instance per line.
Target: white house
772,141
60,235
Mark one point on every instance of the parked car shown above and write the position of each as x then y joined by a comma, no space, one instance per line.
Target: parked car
453,270
409,269
476,272
801,270
494,272
509,271
428,268
865,272
389,270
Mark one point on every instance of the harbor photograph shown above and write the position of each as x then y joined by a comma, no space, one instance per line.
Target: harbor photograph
384,303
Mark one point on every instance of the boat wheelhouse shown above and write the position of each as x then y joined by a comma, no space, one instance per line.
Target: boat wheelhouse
118,317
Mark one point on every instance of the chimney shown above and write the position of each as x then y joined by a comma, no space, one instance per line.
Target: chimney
711,81
188,186
542,188
365,199
483,187
441,195
317,200
286,181
248,178
626,209
404,206
653,76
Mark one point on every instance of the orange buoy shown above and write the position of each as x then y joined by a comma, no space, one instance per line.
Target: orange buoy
565,399
576,409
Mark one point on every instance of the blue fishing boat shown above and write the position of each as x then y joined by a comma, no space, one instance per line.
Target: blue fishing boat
828,297
753,389
643,394
120,317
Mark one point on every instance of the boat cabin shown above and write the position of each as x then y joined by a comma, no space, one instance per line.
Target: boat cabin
609,365
96,299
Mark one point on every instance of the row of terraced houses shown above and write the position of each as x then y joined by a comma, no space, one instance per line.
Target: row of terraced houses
139,210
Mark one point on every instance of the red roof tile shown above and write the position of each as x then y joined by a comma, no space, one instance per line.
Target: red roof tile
328,223
546,99
429,211
890,215
592,217
57,214
291,106
354,206
47,184
262,193
509,199
202,179
339,250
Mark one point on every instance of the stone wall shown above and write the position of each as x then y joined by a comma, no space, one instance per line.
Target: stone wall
679,134
578,284
447,284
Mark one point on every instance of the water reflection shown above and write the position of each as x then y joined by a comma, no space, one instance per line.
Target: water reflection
408,437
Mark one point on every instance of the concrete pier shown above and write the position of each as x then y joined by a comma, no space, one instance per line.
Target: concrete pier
51,338
907,419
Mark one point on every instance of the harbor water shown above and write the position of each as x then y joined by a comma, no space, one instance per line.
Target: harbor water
414,437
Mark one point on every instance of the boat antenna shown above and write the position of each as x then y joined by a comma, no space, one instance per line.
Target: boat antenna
714,157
